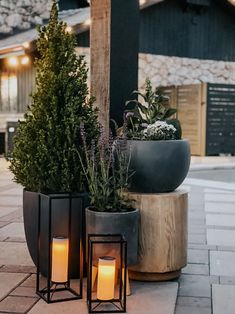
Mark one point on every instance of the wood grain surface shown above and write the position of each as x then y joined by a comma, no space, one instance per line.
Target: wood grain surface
100,57
163,232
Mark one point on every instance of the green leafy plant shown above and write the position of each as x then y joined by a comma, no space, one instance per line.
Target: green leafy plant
106,168
154,107
44,157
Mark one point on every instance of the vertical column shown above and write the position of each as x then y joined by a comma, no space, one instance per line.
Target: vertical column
114,40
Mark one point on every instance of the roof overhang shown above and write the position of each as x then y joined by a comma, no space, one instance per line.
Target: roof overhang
78,19
23,42
13,50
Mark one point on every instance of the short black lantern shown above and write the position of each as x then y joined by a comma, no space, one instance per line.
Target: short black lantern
107,273
54,283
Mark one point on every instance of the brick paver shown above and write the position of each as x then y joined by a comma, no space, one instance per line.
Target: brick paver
198,280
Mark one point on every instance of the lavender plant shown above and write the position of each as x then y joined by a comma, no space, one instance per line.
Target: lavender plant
106,169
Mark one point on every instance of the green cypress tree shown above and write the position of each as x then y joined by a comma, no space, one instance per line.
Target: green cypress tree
44,157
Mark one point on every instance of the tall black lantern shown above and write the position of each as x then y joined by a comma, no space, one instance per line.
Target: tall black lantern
107,273
54,284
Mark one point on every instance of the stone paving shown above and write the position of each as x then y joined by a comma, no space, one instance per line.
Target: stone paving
207,283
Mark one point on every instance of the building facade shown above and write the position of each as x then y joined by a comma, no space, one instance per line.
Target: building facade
180,42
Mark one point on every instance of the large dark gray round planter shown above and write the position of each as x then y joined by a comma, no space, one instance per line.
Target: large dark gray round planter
125,223
30,214
159,166
59,224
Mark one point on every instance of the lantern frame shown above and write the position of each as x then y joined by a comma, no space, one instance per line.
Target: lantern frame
48,291
96,239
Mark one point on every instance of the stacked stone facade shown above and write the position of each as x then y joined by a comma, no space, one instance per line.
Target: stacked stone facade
22,14
167,71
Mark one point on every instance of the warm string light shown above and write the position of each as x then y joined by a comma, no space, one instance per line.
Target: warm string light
87,22
26,45
14,61
68,29
24,60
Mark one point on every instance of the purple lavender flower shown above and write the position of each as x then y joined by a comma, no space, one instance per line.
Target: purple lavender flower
129,115
83,136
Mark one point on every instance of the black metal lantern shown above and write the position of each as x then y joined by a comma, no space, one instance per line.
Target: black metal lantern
54,283
107,273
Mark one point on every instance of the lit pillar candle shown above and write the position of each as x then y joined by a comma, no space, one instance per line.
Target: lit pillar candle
106,278
60,255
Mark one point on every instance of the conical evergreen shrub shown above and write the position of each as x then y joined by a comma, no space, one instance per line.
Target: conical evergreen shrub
44,157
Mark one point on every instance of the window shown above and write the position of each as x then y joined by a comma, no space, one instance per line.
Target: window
8,92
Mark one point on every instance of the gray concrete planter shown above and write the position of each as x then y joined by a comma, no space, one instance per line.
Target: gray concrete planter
125,223
159,166
59,224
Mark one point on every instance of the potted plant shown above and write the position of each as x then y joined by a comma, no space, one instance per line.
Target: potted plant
106,168
160,158
44,159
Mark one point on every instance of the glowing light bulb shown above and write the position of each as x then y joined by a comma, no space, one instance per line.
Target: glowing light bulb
26,45
87,22
69,29
13,61
25,60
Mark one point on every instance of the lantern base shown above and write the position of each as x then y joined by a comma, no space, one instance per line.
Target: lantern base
51,295
142,276
106,306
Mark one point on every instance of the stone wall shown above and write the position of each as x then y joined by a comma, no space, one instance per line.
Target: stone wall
166,71
22,14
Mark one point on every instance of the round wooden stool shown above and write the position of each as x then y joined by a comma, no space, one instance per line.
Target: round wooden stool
162,236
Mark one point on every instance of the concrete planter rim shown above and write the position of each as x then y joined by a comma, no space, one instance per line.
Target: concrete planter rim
158,141
125,223
101,213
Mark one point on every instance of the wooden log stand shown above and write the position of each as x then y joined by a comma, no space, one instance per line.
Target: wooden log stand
163,235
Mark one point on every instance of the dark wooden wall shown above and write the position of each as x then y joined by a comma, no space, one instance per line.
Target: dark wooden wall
173,29
72,4
169,28
25,76
26,86
83,39
220,133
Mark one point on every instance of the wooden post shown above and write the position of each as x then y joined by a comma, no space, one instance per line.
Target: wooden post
114,41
